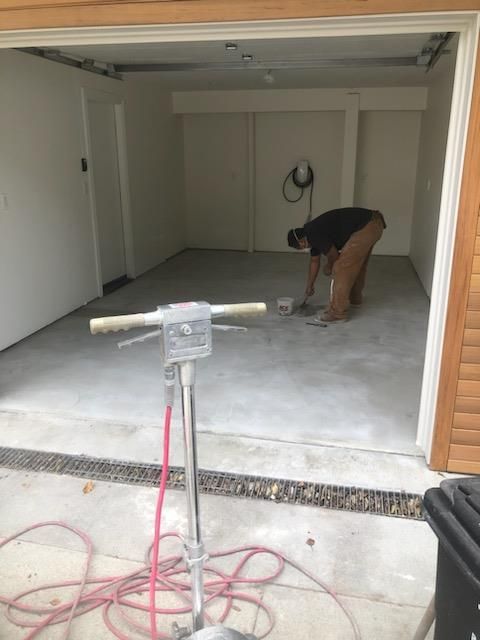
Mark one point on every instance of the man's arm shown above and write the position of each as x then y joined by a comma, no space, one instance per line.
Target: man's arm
332,257
313,270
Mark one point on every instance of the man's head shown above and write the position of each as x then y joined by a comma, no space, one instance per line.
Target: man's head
297,239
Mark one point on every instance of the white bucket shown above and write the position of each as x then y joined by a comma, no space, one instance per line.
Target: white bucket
285,306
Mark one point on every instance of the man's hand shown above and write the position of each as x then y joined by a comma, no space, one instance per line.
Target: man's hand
309,291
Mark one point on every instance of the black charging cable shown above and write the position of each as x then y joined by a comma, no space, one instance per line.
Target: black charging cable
302,186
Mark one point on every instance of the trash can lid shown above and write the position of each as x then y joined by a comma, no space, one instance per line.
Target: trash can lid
453,512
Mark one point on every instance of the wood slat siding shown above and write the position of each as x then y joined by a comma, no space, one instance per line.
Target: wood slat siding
473,320
32,14
466,405
469,371
474,301
464,450
467,421
456,441
470,354
466,436
462,466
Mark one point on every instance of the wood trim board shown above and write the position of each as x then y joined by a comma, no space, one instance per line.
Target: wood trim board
36,14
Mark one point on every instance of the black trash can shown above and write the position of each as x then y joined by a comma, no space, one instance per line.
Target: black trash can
453,512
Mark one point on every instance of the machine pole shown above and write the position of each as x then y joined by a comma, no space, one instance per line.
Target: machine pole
194,545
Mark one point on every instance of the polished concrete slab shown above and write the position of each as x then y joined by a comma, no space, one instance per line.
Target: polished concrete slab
382,569
354,385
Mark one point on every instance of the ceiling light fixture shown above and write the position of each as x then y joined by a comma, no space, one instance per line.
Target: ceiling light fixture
247,57
231,46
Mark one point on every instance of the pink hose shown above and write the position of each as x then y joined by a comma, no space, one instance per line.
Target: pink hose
158,520
157,575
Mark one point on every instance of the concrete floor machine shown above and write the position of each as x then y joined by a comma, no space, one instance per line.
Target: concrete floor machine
185,332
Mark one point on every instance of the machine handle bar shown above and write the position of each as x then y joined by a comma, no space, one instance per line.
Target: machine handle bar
133,321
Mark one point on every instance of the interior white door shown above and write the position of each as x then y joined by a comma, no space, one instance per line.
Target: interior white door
106,183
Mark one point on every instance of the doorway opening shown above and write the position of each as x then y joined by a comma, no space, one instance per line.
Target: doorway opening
208,148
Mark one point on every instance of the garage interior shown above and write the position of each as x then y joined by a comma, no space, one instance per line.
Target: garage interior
211,131
180,198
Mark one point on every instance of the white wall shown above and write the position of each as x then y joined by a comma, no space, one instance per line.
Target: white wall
46,245
287,100
386,161
281,139
155,163
386,170
433,139
216,177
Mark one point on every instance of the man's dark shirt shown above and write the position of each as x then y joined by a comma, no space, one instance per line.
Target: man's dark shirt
335,227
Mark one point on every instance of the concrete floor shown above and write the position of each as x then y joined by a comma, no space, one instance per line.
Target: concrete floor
383,569
355,385
286,399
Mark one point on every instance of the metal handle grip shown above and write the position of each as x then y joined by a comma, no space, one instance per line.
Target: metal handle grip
117,323
245,309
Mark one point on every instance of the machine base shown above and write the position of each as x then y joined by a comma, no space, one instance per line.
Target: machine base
211,633
220,633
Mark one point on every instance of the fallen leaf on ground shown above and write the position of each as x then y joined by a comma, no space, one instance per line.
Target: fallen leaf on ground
88,487
310,542
55,602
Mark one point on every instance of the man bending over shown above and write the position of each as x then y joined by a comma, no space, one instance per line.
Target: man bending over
346,237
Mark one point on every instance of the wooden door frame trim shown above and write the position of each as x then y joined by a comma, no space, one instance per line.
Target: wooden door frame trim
440,323
36,14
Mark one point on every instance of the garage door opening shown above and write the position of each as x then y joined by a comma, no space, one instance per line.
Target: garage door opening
211,131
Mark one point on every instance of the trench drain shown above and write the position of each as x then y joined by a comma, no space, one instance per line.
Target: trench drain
397,504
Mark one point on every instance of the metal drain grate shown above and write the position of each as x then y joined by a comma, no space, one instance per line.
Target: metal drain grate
398,504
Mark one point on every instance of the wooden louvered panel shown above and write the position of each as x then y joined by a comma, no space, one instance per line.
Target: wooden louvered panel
469,371
474,301
466,437
475,283
476,264
471,354
463,466
470,388
473,320
471,338
467,405
467,421
468,453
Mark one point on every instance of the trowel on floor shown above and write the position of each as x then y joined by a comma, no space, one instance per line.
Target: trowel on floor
305,309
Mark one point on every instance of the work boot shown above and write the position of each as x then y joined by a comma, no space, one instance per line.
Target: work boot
356,301
327,316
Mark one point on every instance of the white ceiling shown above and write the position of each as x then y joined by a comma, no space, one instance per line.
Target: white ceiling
292,50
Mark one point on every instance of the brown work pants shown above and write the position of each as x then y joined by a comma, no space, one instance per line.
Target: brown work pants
350,269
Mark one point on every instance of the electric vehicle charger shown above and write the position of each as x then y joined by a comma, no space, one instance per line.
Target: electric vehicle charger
302,177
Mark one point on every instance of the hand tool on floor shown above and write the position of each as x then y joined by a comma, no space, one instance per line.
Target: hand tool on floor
185,332
304,303
304,309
